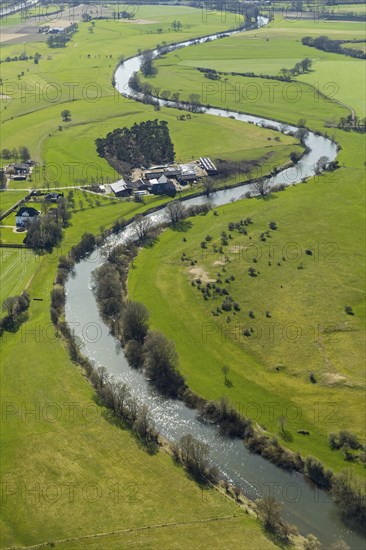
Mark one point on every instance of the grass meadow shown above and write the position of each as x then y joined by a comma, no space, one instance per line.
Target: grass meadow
267,51
69,472
325,216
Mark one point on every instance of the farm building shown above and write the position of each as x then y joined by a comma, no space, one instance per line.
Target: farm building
209,166
162,186
26,215
120,189
154,173
188,173
53,197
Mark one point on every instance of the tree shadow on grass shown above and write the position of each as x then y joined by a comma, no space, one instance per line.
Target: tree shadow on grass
150,447
286,436
268,197
182,226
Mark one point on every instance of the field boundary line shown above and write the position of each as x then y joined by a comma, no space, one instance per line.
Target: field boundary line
120,532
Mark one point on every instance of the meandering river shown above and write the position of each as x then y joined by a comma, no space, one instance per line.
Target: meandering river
304,505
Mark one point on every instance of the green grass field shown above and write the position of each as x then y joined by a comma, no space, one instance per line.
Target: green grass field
7,199
116,485
129,492
358,46
267,51
17,269
308,331
313,298
44,458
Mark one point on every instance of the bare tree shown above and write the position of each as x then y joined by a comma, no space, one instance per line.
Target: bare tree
142,226
120,394
133,407
209,186
102,376
262,186
270,510
194,454
175,212
144,424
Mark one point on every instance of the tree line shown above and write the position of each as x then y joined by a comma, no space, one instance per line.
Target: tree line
21,153
327,44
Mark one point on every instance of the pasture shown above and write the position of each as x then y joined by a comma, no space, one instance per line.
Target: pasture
18,266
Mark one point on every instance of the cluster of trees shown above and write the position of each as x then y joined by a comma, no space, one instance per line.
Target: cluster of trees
22,153
147,67
301,67
194,455
144,144
348,443
45,232
231,423
85,246
117,396
60,39
129,320
176,26
348,492
15,308
270,512
352,123
335,46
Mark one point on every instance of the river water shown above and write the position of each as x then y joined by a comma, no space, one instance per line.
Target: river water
304,505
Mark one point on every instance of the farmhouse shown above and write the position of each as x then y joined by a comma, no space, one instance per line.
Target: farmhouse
120,188
25,215
18,171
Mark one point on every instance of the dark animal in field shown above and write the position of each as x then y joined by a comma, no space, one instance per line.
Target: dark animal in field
303,432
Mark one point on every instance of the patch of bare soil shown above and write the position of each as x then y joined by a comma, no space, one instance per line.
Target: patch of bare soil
200,273
333,378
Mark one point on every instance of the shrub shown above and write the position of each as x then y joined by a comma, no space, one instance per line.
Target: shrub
316,471
273,225
348,310
227,304
57,298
